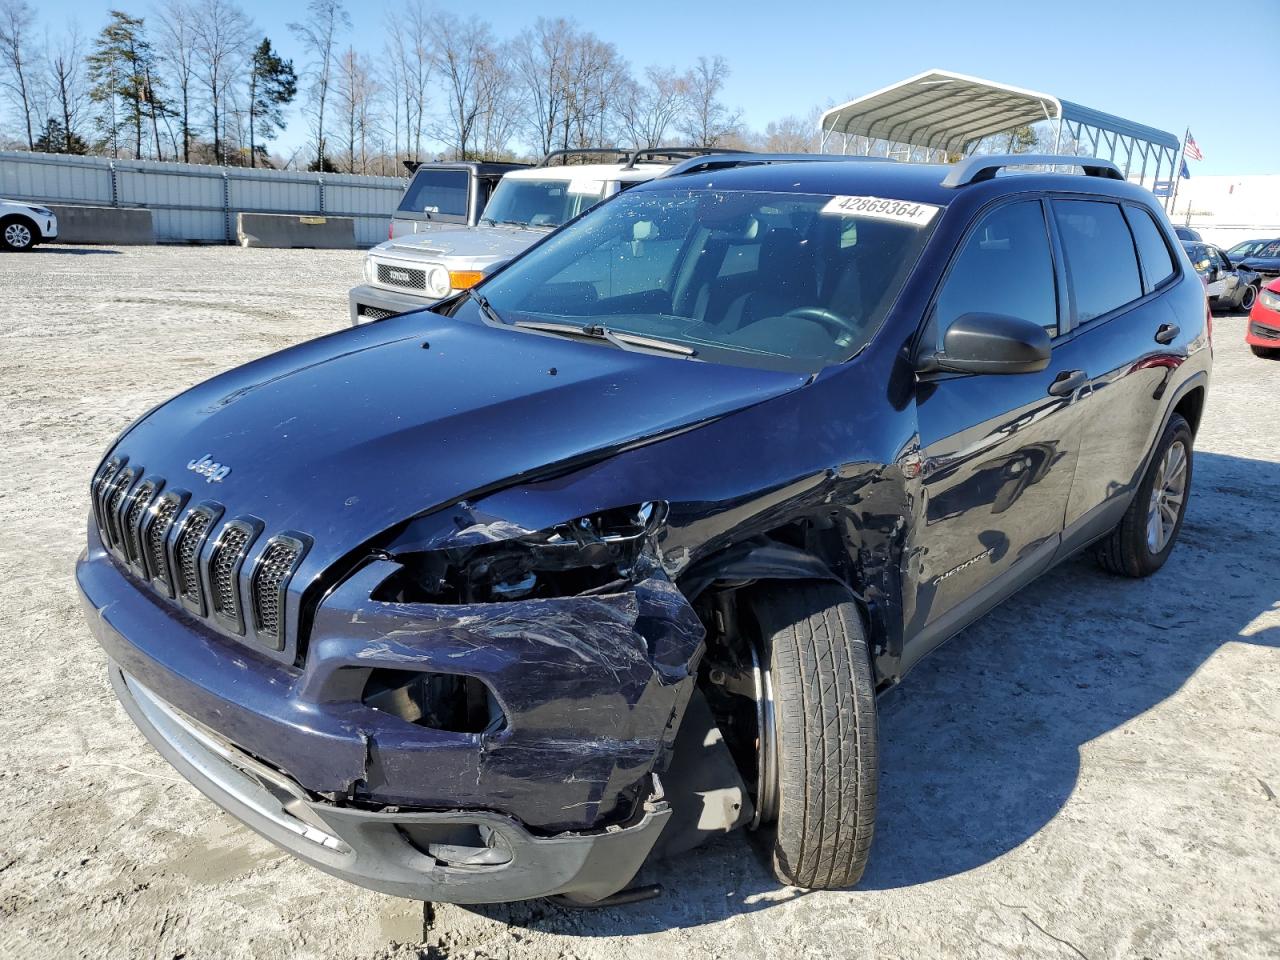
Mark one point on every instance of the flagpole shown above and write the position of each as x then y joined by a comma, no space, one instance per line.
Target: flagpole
1177,175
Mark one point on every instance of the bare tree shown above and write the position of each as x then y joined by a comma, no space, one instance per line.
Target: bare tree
178,40
356,92
463,52
409,57
539,57
500,108
223,38
16,20
707,121
593,75
792,134
326,21
70,92
650,108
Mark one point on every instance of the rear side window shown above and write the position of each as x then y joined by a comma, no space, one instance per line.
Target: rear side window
437,192
1004,267
1154,252
1101,262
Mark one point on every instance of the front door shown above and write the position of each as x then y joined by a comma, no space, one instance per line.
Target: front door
998,451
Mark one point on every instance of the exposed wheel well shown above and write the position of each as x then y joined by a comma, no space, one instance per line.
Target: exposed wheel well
1191,406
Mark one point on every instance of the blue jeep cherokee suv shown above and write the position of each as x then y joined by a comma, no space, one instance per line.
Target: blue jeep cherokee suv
500,599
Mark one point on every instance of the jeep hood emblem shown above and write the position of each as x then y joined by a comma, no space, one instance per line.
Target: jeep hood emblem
212,472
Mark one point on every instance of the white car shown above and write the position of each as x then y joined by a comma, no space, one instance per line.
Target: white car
411,272
23,225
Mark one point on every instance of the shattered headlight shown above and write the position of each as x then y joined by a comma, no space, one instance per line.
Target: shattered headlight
494,560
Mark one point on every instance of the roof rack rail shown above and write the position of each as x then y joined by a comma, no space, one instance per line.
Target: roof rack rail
677,153
605,151
723,161
977,169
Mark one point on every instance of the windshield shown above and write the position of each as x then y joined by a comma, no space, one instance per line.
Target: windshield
541,203
442,192
783,280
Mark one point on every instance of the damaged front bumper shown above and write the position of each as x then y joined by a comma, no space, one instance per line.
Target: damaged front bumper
561,797
455,856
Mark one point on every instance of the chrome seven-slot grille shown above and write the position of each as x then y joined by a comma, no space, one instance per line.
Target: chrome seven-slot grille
162,538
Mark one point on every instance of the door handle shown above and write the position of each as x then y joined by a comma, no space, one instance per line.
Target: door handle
1168,333
1067,383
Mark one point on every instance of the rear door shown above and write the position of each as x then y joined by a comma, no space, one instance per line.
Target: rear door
999,451
1125,335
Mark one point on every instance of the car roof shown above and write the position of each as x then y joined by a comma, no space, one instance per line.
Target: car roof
860,176
592,171
483,167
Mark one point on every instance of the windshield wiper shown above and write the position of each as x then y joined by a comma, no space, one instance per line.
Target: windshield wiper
485,306
619,338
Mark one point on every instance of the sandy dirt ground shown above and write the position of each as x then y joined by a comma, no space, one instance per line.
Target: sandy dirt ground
1091,771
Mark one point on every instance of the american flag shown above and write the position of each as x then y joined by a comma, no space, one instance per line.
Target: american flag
1191,150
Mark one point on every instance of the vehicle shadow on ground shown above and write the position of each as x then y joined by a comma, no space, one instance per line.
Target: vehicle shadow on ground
980,746
76,251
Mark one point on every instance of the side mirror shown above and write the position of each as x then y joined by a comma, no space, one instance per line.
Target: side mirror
993,343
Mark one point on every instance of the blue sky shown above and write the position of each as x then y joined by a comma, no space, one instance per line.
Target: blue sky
1168,63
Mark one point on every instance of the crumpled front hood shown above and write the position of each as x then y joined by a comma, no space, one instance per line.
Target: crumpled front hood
344,436
497,241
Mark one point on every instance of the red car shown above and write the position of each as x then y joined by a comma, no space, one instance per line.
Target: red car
1263,332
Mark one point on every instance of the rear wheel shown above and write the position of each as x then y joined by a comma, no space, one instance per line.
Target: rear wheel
1144,538
16,234
819,762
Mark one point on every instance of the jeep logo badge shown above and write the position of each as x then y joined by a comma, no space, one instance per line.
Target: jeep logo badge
400,275
212,472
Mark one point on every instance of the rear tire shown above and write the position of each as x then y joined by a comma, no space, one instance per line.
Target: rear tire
17,235
825,728
1144,538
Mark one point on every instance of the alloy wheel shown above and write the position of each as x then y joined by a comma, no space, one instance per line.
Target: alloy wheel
17,236
1168,495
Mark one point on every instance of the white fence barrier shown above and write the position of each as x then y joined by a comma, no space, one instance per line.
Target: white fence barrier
192,203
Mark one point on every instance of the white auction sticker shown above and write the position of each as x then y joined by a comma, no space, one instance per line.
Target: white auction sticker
878,208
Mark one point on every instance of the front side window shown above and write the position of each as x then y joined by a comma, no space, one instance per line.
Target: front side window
1101,262
1004,267
440,192
541,203
1156,259
779,280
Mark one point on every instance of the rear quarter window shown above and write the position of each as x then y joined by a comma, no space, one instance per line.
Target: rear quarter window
1102,265
1157,262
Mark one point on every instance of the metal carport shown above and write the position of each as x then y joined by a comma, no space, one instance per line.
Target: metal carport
943,113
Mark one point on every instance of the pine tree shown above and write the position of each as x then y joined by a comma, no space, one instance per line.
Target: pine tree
121,68
272,87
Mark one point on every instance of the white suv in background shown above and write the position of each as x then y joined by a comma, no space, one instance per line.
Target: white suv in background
23,225
408,273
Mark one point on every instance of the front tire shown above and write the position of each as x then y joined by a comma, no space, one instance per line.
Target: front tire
1247,298
17,235
1142,541
1266,353
824,712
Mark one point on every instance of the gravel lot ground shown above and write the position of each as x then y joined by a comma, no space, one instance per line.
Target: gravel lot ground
1091,771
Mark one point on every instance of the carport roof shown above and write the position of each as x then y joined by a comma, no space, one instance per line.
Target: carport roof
939,109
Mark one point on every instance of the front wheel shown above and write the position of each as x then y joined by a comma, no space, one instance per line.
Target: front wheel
1266,353
823,717
1249,295
1142,541
16,235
